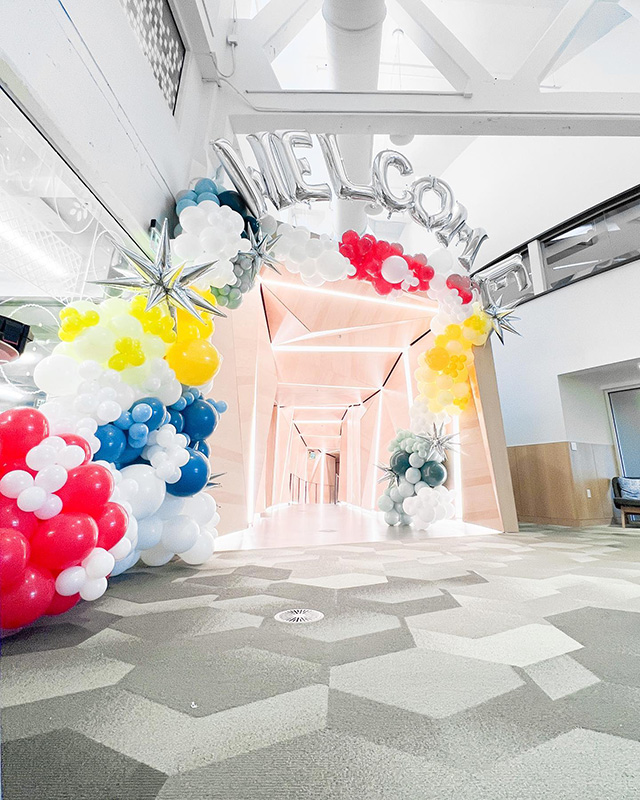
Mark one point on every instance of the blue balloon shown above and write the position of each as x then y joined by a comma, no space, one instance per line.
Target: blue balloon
200,419
220,406
205,185
176,420
138,434
188,398
186,194
177,230
112,443
180,404
129,455
202,447
208,196
182,204
141,412
197,394
124,421
194,475
157,411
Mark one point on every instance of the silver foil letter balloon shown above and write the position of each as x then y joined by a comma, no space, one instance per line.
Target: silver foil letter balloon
240,177
272,171
442,190
298,167
381,165
342,186
472,239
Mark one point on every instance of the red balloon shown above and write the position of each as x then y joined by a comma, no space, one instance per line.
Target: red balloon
12,517
14,554
112,525
60,604
15,463
64,541
88,489
28,599
20,430
73,438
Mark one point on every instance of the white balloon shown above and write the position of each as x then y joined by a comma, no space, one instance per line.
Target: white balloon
121,549
93,589
200,507
32,498
51,507
187,246
99,563
180,534
171,507
150,493
71,457
70,581
42,455
15,482
57,375
156,556
149,532
201,551
51,478
394,269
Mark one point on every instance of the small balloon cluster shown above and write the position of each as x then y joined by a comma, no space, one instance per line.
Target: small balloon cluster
315,258
62,528
385,266
416,474
459,325
207,234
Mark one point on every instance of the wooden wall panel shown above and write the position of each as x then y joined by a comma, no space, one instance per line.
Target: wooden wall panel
552,482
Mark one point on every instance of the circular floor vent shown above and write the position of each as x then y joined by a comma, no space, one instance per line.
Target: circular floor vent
299,615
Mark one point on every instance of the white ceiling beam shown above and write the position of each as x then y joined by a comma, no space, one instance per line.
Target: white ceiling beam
280,21
500,110
439,44
553,41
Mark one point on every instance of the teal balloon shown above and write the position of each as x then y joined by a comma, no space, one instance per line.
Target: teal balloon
434,473
233,200
205,185
400,463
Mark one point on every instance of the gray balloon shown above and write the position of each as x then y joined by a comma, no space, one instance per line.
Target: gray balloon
381,165
443,191
296,167
343,187
472,239
240,177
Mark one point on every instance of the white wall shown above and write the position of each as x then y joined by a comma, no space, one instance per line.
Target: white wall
591,323
584,407
77,68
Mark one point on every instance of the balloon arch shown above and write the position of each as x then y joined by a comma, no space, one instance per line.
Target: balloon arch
113,468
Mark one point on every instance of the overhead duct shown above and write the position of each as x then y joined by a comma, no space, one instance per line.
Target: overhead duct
354,36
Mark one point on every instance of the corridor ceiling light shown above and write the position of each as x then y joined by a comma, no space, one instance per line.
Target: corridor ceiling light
416,306
294,348
314,408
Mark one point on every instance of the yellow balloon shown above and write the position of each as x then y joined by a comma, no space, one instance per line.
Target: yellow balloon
195,362
188,327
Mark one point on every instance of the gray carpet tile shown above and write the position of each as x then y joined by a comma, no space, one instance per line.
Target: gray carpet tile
495,667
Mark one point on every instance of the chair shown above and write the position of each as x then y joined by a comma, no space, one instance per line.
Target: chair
626,505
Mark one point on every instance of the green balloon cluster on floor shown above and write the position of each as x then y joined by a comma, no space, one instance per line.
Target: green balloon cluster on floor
410,470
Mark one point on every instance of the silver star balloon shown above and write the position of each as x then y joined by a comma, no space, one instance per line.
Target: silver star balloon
389,475
501,318
261,253
161,281
439,442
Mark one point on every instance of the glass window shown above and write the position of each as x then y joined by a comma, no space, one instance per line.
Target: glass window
55,238
625,409
576,253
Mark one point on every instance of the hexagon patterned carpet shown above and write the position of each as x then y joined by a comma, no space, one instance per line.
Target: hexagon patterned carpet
467,668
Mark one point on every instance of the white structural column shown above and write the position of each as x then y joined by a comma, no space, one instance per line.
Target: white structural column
354,35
